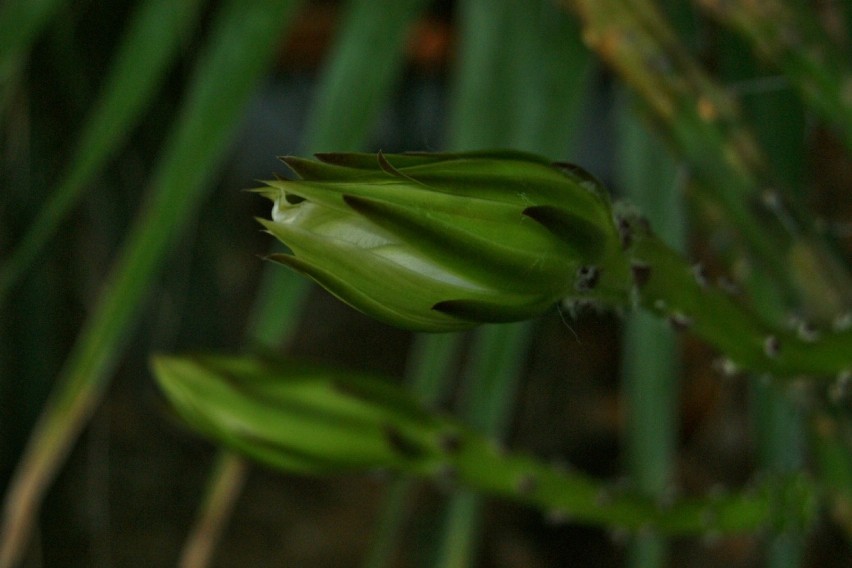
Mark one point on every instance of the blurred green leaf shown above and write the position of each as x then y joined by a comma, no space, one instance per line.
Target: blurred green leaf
365,63
241,45
651,359
521,80
20,24
156,30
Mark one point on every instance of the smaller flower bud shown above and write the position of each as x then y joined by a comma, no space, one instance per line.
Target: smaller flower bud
299,417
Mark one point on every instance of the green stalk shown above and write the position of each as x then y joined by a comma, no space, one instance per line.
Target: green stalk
241,46
780,501
787,501
148,47
671,288
651,361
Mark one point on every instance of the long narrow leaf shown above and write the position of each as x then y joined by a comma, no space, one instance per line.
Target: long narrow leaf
20,23
240,48
367,60
151,43
650,360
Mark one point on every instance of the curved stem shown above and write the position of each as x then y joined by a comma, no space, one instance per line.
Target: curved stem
571,496
670,287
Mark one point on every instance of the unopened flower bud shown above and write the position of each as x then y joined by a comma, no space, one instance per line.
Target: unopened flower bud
441,242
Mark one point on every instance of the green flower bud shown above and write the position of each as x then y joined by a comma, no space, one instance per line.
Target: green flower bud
299,417
441,242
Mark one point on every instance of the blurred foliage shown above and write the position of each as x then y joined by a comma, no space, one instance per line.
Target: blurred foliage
129,129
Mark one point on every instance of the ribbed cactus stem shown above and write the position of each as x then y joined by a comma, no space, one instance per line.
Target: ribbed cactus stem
567,495
648,273
674,289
